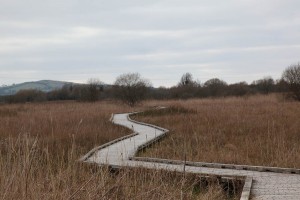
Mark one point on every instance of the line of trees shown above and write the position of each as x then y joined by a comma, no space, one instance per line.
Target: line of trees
131,88
218,88
81,92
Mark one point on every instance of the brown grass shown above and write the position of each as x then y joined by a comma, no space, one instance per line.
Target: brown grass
258,130
39,146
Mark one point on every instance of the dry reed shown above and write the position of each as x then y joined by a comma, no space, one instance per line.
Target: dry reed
40,145
257,130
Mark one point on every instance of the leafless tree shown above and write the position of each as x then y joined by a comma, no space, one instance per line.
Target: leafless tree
291,75
265,85
28,95
186,79
93,90
215,87
186,88
131,88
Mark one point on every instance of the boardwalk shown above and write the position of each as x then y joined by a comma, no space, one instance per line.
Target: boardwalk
121,153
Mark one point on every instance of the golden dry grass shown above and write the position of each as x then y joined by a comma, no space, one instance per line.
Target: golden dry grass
40,145
257,130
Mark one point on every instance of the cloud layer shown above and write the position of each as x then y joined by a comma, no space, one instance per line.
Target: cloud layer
74,40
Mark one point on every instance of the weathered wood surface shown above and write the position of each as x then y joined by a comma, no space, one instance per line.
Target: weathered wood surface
264,185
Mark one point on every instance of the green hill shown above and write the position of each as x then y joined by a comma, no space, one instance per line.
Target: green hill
43,85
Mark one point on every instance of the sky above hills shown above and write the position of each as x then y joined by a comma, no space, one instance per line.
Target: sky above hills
72,40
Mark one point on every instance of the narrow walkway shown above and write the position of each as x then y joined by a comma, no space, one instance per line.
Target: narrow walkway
120,153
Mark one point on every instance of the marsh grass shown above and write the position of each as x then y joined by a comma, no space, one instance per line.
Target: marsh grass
41,143
170,110
257,130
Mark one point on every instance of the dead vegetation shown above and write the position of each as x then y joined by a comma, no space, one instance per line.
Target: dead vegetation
40,145
257,130
171,110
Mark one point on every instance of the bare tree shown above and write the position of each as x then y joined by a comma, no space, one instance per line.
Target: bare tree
131,88
93,90
291,75
215,87
186,79
28,95
186,88
265,85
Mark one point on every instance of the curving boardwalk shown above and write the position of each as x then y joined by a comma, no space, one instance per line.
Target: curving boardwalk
260,185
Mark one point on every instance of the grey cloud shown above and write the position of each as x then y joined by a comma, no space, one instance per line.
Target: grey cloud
75,40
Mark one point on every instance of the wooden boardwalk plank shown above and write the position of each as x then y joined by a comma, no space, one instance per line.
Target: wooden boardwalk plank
275,184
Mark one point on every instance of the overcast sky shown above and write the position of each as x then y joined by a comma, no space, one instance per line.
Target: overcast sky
74,40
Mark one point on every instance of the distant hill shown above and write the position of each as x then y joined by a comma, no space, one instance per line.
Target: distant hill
43,85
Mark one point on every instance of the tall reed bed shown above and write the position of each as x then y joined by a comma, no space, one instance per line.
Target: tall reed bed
257,130
40,145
